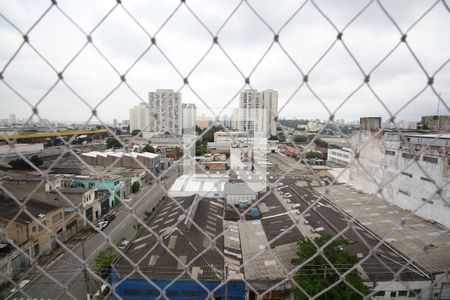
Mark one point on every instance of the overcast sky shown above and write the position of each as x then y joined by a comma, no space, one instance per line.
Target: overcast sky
216,81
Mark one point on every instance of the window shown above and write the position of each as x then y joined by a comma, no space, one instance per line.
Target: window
33,229
407,174
389,152
393,294
379,294
427,201
56,218
190,294
407,155
404,192
132,292
154,293
430,159
427,179
172,294
402,293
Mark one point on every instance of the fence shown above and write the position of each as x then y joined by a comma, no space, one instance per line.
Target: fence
376,227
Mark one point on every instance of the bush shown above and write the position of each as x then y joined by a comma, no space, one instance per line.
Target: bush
149,148
135,187
300,139
113,143
104,260
316,275
21,164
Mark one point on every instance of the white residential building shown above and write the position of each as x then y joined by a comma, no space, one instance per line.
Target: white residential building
139,117
258,111
339,156
165,111
189,116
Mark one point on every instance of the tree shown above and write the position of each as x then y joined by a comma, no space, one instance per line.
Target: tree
313,154
104,260
317,275
149,148
281,137
113,143
200,150
320,143
135,132
273,137
300,139
135,187
21,164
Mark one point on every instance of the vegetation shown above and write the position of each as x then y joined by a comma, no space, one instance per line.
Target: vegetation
200,150
208,136
273,137
314,154
21,164
113,143
317,275
149,148
135,132
320,143
293,123
281,137
301,139
104,260
135,187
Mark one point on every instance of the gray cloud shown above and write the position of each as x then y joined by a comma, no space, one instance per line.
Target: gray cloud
245,39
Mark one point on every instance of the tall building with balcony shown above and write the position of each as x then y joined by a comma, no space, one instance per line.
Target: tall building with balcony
189,116
140,117
165,111
258,111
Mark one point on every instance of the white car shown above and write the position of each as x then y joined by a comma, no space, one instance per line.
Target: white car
101,225
21,285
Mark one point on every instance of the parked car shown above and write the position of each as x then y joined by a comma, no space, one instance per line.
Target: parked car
109,217
101,225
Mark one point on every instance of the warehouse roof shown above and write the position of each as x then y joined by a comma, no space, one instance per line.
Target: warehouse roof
9,209
238,189
184,252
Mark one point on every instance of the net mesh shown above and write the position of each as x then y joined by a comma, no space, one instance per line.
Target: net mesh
379,243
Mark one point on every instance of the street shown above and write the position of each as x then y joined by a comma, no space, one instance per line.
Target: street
67,271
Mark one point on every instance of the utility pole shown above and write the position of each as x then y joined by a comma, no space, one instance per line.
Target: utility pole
85,274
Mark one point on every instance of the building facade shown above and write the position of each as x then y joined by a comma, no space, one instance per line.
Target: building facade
339,156
258,111
139,117
189,116
410,167
165,111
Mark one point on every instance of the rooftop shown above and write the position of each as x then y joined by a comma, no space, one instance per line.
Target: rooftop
385,219
206,185
187,245
238,189
9,209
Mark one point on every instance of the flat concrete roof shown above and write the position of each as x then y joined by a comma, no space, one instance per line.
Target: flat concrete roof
206,185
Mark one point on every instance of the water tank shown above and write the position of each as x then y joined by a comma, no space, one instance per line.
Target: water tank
254,212
243,203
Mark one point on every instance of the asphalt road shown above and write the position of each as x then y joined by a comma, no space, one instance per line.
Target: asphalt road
67,268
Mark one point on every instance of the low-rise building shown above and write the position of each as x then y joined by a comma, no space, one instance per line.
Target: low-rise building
341,157
24,228
147,160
